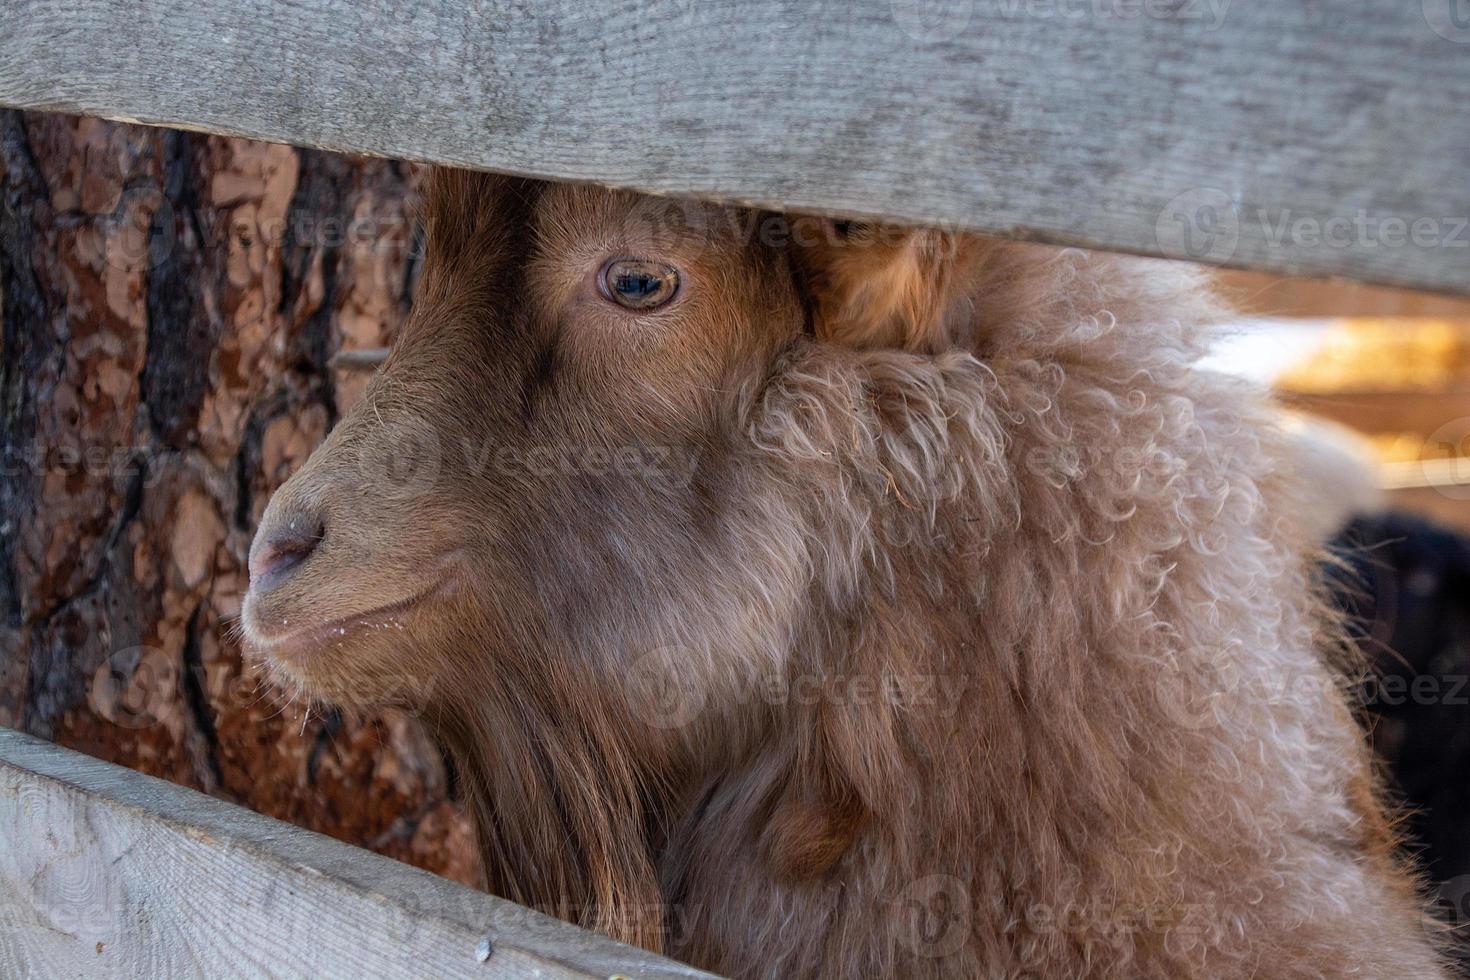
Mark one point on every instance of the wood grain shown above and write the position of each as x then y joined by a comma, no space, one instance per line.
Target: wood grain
1326,138
108,872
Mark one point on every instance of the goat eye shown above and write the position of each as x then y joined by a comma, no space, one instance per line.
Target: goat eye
637,284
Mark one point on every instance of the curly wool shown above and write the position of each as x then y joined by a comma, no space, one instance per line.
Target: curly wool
1149,770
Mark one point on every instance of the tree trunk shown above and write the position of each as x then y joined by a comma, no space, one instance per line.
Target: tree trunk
170,305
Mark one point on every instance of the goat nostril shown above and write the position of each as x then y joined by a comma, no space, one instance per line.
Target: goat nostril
285,549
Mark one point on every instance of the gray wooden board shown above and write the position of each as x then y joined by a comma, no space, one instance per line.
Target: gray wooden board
105,872
1324,137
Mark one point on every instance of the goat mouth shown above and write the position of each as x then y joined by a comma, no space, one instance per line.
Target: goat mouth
297,644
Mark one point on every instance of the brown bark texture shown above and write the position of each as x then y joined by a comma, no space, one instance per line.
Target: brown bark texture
170,305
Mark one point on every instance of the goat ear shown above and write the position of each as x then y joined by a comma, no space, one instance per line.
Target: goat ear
874,285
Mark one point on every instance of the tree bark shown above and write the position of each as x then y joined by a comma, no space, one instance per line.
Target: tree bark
170,305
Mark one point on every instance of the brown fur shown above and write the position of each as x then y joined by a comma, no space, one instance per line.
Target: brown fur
945,622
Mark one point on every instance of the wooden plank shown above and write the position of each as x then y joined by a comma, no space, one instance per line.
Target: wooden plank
1324,138
107,872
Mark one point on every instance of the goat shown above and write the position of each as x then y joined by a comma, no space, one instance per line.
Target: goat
819,598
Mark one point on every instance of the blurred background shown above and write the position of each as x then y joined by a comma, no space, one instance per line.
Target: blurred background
176,307
172,306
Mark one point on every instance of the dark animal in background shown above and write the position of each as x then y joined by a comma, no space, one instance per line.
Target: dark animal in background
1404,584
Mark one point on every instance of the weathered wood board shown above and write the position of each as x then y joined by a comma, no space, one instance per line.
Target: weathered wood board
1322,138
105,872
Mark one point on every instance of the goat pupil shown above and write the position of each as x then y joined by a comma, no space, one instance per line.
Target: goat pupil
638,285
